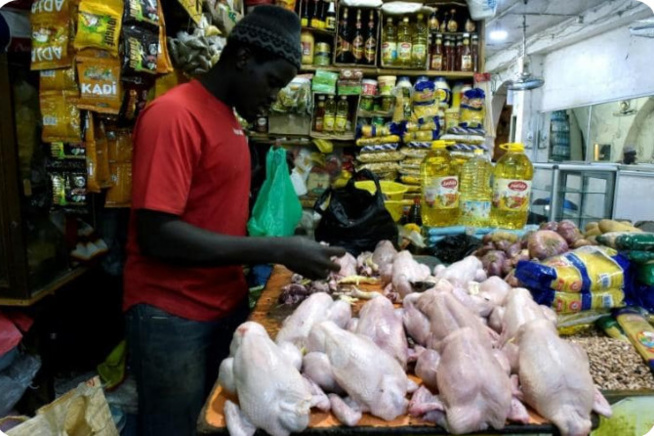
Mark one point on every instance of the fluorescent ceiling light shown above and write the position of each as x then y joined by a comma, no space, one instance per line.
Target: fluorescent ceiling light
498,35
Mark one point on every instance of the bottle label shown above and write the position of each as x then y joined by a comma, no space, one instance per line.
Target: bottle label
371,50
342,46
320,124
328,123
475,210
341,123
404,51
466,63
436,63
330,23
389,52
357,48
419,51
307,49
511,195
442,193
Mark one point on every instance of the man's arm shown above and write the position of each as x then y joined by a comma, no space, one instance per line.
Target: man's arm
167,238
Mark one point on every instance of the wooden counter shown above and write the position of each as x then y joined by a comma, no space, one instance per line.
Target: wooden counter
270,314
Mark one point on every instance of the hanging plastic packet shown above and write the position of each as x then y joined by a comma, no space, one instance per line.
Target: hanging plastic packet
51,34
141,51
60,117
99,25
68,189
120,195
119,143
142,12
472,109
100,85
164,64
102,151
58,80
62,151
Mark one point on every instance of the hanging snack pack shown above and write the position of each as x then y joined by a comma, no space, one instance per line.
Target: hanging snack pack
97,155
100,85
68,189
62,151
61,117
58,80
145,12
141,51
51,34
120,165
99,24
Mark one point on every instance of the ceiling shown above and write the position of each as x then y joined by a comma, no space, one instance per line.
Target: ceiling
509,18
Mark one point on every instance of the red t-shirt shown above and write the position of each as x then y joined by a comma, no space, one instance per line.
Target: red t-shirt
190,159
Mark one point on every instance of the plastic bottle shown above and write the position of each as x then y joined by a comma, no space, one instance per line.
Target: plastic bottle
389,43
475,192
329,121
512,188
319,117
440,187
342,108
404,38
419,42
415,214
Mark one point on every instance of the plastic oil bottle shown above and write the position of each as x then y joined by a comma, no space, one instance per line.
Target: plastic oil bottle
419,43
329,121
342,109
404,38
476,194
512,188
440,187
389,43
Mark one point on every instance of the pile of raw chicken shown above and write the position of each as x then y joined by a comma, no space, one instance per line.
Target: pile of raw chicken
479,350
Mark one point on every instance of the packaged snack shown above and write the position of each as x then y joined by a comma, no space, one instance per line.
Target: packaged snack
380,167
420,135
416,153
164,64
141,51
378,140
587,270
639,331
142,12
373,131
99,24
61,151
135,97
58,80
61,117
68,189
635,241
51,34
472,108
466,139
119,144
572,302
100,85
380,156
379,147
425,104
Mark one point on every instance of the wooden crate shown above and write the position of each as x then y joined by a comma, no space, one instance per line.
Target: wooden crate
353,101
365,23
289,124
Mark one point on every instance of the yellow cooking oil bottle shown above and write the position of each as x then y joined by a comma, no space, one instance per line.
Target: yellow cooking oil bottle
475,192
440,187
512,188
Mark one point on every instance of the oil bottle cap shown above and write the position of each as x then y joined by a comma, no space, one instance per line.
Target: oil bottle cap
441,144
517,147
478,152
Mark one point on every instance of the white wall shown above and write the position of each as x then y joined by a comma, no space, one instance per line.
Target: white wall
606,67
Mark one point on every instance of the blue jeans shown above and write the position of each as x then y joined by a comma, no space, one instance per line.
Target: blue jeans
175,362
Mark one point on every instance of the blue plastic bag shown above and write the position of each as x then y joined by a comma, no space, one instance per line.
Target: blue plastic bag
277,210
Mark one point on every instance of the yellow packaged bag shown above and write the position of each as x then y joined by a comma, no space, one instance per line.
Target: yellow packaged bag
119,144
99,24
572,302
60,116
51,34
120,194
100,85
58,80
102,151
164,64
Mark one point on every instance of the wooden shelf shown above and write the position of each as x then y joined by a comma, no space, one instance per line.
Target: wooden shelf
323,32
49,289
374,71
266,138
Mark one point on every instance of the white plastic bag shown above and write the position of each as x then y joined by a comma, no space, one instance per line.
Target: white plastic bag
482,9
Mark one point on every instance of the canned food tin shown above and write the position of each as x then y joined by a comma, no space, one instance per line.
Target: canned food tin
322,56
369,87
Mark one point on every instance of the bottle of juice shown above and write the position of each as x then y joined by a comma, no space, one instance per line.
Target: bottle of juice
389,43
404,38
419,41
512,188
329,121
342,109
440,187
475,192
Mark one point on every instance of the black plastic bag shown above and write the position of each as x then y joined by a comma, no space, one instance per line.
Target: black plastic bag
355,219
454,248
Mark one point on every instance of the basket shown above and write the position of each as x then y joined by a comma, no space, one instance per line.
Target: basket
391,190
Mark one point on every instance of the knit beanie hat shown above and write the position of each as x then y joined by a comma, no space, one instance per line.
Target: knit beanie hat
271,28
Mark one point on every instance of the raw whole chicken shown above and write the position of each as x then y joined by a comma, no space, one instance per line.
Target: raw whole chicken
379,321
473,386
556,380
316,366
415,322
348,265
272,394
462,272
494,290
406,271
384,254
372,379
318,307
519,310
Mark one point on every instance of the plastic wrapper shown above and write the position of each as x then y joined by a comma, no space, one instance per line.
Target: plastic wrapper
141,51
411,180
119,144
120,194
465,139
414,153
423,124
100,85
58,80
459,130
584,270
68,189
380,167
62,151
378,140
472,109
164,64
15,380
635,241
60,117
421,135
425,104
99,24
572,302
295,97
143,12
51,34
638,256
380,156
380,147
374,131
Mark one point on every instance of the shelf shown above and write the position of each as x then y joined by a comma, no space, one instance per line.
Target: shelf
49,289
548,188
297,139
375,71
323,32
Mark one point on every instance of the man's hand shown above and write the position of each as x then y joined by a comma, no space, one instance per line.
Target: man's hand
310,259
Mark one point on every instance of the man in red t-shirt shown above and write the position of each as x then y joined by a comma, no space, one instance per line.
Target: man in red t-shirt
184,287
